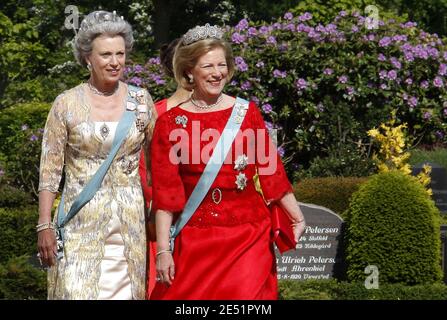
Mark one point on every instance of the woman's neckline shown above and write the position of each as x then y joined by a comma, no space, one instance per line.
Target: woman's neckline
86,101
211,111
105,121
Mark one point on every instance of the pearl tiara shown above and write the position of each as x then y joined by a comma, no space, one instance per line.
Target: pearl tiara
201,33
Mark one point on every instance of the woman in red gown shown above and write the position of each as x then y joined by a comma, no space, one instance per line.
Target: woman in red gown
225,249
161,106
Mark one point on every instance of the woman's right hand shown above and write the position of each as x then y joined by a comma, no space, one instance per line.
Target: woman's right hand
46,245
165,268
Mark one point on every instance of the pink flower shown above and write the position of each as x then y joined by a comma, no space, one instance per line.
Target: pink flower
242,25
438,83
288,16
343,79
279,74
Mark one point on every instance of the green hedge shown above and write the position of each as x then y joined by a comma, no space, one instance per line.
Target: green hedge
393,224
33,114
333,290
11,197
18,234
21,129
437,155
20,280
333,193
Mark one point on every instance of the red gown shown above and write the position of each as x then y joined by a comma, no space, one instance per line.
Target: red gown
161,107
225,250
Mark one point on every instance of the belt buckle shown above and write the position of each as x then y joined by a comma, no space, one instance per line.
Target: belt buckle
216,195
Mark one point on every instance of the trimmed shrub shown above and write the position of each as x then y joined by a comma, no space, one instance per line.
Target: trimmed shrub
11,197
306,290
18,236
392,223
21,130
332,193
20,280
341,161
333,290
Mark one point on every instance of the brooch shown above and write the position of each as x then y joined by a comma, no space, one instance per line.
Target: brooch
104,130
183,120
140,123
241,162
140,96
240,112
241,181
142,108
131,106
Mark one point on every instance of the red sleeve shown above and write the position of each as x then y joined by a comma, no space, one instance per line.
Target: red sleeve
167,187
147,191
161,106
272,175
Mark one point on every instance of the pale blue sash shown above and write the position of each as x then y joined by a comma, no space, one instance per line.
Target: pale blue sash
95,182
212,168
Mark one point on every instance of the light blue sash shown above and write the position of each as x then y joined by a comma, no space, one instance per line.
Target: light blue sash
95,182
212,168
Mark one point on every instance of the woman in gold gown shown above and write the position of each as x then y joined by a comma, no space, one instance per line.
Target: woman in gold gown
105,242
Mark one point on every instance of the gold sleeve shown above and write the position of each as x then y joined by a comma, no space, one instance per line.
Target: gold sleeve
53,147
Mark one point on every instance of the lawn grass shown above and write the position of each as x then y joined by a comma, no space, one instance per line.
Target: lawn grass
438,156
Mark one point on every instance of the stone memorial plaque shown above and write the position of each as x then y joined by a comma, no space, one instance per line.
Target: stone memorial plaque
438,184
319,253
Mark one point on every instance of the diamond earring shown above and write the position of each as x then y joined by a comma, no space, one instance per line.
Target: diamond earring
89,66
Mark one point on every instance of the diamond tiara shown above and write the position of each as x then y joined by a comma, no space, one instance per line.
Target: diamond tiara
201,33
100,17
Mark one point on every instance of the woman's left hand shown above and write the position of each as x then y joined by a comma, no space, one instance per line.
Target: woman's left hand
165,268
298,229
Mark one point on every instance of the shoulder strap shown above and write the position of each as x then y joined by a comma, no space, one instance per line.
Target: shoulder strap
213,166
95,182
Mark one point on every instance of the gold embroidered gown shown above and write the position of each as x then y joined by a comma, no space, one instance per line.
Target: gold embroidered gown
105,242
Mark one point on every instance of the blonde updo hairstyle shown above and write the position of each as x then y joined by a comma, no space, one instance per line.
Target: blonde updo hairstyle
186,57
99,23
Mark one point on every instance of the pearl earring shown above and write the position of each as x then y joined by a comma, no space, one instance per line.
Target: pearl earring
191,79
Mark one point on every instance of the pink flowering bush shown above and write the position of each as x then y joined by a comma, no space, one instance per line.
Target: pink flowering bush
324,86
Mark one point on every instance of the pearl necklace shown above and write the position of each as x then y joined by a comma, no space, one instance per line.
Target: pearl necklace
101,93
206,106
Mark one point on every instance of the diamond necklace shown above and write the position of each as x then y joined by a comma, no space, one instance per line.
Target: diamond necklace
103,93
206,106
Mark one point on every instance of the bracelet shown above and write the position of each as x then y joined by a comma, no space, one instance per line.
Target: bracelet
44,226
162,251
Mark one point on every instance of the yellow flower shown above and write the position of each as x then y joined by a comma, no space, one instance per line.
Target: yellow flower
56,203
373,133
392,155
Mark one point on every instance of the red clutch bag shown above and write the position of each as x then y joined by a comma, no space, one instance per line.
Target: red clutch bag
282,229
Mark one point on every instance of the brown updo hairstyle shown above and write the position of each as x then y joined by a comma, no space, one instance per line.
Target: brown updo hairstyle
186,57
